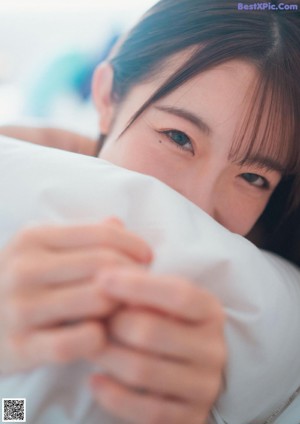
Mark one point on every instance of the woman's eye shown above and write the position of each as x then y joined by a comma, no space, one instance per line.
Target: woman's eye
256,180
179,138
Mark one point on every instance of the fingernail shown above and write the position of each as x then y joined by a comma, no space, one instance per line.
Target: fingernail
114,220
149,256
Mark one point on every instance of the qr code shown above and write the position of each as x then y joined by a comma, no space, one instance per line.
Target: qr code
14,409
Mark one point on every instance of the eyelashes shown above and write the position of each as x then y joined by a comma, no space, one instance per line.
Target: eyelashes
252,178
179,139
183,142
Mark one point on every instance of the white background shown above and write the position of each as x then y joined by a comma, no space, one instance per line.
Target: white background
34,32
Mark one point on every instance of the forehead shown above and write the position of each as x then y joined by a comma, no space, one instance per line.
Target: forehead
218,95
248,107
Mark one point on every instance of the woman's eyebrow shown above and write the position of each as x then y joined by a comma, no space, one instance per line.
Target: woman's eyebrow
265,162
189,116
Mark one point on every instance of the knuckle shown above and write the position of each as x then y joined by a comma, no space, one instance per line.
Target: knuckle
18,313
61,351
221,354
108,257
217,356
103,257
94,331
110,398
21,271
100,303
96,336
143,329
183,299
207,389
198,415
105,233
219,313
144,332
216,309
158,415
13,345
25,237
16,272
211,390
31,235
90,329
138,372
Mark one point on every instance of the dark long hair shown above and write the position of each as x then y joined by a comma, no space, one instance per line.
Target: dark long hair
216,31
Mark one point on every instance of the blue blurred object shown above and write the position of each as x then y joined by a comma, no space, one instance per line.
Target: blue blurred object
84,88
68,73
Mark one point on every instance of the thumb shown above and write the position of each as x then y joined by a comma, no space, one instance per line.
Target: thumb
114,221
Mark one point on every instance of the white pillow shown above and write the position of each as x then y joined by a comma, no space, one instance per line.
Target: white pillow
260,292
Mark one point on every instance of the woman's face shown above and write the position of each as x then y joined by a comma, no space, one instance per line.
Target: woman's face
184,140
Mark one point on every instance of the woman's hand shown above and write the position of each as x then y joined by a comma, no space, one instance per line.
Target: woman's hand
166,353
52,137
50,304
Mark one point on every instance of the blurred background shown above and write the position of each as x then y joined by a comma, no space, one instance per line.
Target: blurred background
48,51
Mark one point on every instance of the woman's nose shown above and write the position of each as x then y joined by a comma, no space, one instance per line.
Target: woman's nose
203,195
206,201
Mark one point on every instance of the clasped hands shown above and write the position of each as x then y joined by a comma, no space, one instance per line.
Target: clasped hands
85,292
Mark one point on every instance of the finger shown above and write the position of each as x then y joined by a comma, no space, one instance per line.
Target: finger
62,267
60,345
79,236
113,220
66,304
134,407
158,375
162,335
169,294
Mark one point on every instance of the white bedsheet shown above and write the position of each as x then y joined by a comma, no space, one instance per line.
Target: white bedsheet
260,292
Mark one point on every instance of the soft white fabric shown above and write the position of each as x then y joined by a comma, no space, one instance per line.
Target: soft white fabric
260,292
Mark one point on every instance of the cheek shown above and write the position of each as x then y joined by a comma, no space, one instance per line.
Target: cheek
239,217
142,152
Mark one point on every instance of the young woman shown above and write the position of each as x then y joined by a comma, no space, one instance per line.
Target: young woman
206,98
